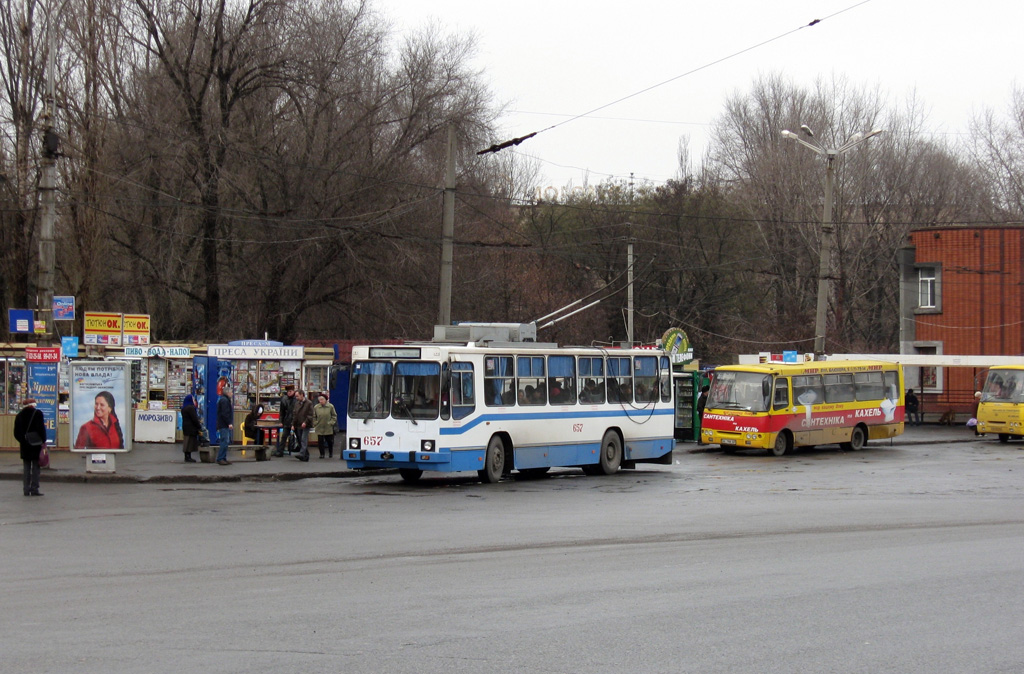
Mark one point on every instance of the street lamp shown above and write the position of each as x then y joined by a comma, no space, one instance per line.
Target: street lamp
827,239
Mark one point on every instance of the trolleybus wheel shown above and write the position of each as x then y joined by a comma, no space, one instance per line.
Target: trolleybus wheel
611,453
857,440
781,445
410,474
494,461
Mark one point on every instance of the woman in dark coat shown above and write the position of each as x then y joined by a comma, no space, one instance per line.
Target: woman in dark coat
30,420
190,427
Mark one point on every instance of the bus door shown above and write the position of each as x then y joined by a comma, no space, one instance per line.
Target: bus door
808,392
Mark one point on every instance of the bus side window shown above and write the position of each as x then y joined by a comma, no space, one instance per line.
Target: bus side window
781,400
869,386
807,390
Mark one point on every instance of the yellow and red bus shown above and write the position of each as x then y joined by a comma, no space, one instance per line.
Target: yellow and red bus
779,406
1001,404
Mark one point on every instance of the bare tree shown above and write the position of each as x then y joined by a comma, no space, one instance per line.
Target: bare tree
998,149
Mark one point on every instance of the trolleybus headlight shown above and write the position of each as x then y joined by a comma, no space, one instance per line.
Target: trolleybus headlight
353,443
426,445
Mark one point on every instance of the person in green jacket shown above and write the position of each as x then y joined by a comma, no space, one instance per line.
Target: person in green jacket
325,423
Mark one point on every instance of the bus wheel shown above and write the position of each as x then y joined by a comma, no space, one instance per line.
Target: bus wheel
857,440
1004,437
611,453
410,475
781,444
494,461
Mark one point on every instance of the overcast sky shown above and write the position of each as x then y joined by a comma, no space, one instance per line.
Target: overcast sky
554,59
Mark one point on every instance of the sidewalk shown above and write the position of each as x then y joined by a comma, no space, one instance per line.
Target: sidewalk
162,463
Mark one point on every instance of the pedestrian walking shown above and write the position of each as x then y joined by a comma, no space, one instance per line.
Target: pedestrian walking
30,432
302,420
325,422
225,423
190,428
285,415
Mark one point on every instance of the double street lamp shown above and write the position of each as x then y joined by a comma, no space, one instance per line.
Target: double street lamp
827,232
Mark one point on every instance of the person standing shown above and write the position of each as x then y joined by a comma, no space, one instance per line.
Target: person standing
225,423
285,416
325,421
190,426
30,432
302,419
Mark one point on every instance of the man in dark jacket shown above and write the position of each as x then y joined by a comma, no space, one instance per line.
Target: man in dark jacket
225,423
301,422
30,420
285,416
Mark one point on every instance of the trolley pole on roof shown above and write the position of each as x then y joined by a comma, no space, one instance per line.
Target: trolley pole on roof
444,312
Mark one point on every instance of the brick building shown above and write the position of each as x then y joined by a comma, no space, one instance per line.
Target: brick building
962,293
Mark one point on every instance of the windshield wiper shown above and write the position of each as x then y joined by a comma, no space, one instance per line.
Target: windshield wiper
400,404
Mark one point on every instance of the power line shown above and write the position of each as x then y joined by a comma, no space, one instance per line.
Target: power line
516,141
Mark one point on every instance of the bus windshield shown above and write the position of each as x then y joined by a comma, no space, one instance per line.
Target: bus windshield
1003,386
748,391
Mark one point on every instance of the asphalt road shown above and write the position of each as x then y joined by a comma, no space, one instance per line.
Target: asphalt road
890,560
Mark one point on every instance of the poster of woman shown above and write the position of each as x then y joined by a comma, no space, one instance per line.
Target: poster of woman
101,410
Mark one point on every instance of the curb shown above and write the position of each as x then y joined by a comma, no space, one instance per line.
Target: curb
114,478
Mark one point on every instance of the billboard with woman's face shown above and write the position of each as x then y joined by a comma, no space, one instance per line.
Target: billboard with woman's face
101,410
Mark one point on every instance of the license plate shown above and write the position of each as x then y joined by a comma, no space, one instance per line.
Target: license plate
728,441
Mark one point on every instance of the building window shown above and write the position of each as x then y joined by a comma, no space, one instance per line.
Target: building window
927,288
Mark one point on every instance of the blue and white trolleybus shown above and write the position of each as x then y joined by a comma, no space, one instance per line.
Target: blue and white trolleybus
495,407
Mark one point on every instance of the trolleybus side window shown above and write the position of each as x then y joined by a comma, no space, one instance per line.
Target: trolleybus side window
369,394
532,382
591,380
620,381
807,390
562,380
666,380
645,377
781,399
839,388
499,381
461,391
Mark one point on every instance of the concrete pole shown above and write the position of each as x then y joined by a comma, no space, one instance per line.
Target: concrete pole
444,312
629,291
47,200
825,267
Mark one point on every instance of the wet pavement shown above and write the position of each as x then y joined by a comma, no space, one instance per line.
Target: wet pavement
164,463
